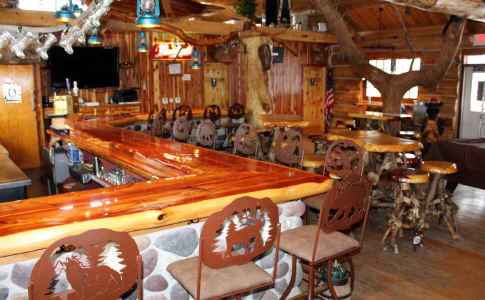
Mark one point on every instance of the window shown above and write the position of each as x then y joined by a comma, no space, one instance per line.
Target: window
394,66
475,59
44,5
477,103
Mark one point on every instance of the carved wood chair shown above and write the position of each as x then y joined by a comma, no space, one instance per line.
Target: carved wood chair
236,115
206,134
230,240
99,264
287,147
182,111
213,113
345,206
246,141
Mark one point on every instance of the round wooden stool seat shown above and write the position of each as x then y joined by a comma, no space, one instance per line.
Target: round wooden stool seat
410,176
313,161
439,167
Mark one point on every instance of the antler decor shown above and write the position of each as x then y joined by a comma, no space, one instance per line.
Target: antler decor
25,43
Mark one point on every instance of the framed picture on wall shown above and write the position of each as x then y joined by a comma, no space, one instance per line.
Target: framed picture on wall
175,69
11,92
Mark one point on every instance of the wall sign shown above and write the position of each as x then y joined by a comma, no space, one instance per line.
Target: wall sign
175,69
12,92
171,51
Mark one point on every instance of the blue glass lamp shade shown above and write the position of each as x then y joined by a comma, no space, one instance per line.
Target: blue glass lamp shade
142,43
65,14
95,39
196,59
148,13
77,11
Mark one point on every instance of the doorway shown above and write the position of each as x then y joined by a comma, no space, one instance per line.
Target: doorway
472,123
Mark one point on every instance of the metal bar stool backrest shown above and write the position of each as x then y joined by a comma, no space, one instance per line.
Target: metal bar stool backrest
182,111
181,129
246,140
206,133
344,158
345,205
98,264
287,146
236,111
213,113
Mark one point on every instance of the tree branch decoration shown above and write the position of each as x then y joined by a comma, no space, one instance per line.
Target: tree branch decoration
33,43
392,87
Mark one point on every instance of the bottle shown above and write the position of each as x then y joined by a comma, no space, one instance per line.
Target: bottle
75,89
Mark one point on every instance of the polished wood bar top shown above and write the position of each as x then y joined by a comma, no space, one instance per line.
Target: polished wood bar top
379,116
3,151
187,183
375,141
271,121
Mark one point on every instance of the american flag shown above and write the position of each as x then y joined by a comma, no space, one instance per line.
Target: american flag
329,100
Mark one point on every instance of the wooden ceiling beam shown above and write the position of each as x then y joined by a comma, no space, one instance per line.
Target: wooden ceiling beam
18,17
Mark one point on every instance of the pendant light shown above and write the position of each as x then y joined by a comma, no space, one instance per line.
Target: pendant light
95,39
148,13
142,43
65,11
196,59
77,11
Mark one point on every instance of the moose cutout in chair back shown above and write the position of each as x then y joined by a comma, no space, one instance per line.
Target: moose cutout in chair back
245,229
206,134
344,158
346,204
246,140
96,265
287,147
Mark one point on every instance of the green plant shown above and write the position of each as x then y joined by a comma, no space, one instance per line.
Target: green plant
246,8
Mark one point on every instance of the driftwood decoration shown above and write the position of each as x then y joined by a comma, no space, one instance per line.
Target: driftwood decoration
392,87
258,98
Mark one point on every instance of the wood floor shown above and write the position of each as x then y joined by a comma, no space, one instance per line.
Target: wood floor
443,269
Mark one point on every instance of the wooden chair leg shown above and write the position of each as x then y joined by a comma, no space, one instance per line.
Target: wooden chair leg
352,273
292,280
329,279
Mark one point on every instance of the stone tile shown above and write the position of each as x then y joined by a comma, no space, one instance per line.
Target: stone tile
283,269
143,243
178,293
281,285
4,291
21,274
155,283
181,242
150,259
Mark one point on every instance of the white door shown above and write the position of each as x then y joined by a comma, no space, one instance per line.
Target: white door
472,123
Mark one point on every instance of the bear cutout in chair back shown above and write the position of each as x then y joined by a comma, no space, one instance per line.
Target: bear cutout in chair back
344,158
287,146
239,233
246,140
181,129
96,265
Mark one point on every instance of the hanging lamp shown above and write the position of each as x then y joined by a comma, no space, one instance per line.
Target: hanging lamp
95,38
65,11
77,11
142,43
196,59
148,13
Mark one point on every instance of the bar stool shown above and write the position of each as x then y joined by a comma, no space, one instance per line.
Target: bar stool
246,141
346,205
236,114
313,162
213,113
206,134
287,147
439,202
407,209
82,267
230,240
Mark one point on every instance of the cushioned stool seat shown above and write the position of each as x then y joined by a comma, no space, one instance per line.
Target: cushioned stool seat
296,242
439,167
313,161
415,178
218,282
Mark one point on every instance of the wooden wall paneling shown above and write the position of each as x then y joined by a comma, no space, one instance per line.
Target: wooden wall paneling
18,121
314,86
216,85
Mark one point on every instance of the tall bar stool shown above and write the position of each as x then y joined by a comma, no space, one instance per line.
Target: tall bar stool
181,130
246,141
287,147
345,206
236,114
230,240
407,210
99,264
213,113
439,201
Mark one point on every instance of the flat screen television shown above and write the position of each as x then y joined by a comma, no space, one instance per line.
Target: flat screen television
91,67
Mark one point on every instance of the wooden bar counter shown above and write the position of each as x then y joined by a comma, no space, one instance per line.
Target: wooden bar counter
186,183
